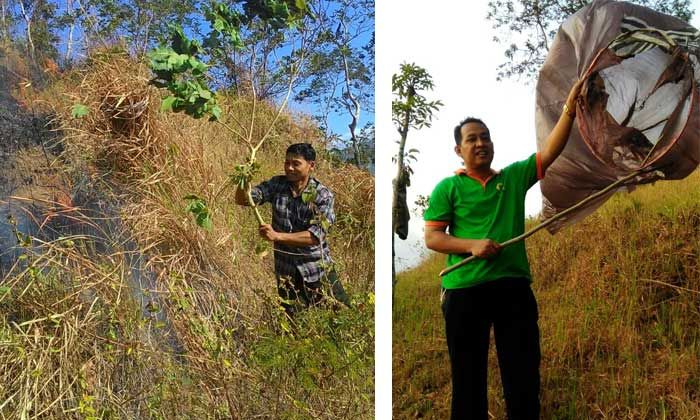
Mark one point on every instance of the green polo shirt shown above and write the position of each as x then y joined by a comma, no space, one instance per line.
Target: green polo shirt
494,210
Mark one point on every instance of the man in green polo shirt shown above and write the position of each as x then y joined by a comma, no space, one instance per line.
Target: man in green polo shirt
482,209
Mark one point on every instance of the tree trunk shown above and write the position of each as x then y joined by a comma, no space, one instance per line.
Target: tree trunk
400,167
355,146
353,106
69,43
403,131
28,22
85,28
5,31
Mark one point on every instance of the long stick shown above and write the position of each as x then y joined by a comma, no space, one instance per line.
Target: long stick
551,219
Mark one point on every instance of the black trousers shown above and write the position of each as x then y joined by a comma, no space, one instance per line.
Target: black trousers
509,305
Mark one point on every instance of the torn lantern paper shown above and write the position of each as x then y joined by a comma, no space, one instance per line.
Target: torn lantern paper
638,106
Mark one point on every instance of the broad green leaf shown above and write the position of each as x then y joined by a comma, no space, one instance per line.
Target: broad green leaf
167,104
204,93
204,220
178,61
159,58
198,207
180,43
197,66
215,113
301,5
236,39
219,25
79,110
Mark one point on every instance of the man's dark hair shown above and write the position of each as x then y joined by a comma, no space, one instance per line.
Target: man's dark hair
304,150
458,128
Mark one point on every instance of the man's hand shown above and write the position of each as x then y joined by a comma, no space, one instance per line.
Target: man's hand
574,95
485,248
241,196
268,233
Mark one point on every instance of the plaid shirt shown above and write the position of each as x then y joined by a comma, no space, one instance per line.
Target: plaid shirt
291,214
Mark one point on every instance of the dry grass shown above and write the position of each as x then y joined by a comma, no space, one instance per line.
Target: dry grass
165,319
619,300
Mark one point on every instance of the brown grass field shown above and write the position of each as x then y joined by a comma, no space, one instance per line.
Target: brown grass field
123,308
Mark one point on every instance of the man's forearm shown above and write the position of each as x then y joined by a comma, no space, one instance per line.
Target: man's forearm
447,244
557,139
303,238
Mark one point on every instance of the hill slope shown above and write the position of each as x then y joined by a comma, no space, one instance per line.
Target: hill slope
118,306
619,303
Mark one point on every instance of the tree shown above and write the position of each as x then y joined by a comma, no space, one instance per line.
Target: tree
39,26
340,75
69,19
44,28
534,23
7,20
262,55
409,110
180,67
140,23
28,16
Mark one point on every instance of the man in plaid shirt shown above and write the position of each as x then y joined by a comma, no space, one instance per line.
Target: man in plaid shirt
302,210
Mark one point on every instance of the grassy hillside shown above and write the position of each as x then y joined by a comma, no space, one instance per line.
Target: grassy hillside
122,307
619,303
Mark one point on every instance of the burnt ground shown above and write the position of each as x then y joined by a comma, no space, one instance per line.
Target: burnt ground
21,129
28,182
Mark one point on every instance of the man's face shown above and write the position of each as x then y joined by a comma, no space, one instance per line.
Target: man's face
476,148
296,168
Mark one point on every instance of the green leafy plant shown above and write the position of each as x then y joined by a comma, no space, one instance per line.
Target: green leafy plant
178,68
198,207
243,174
79,111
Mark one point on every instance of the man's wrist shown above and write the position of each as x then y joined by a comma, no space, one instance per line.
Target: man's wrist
468,245
570,111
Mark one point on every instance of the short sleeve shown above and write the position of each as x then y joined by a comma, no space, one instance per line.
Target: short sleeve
528,170
265,191
440,206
